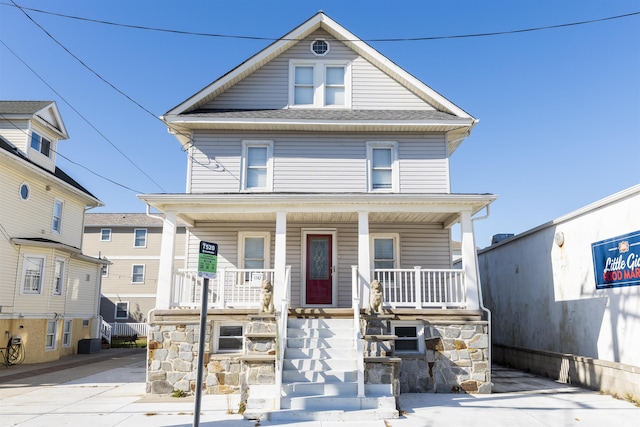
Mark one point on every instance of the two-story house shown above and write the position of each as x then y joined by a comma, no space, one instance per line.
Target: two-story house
49,290
131,243
322,167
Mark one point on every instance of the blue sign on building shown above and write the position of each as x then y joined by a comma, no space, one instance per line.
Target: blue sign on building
616,261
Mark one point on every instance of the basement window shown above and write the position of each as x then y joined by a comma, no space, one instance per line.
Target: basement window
410,337
230,337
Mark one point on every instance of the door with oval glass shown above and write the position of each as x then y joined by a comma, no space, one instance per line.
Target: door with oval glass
319,269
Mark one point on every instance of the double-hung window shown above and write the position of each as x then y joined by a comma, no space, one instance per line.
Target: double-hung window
105,234
32,274
41,144
122,310
66,333
316,84
140,238
137,273
56,223
257,165
58,277
50,337
410,337
382,165
385,257
254,251
230,337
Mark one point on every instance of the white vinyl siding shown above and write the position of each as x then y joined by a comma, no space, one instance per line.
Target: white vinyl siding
301,162
268,87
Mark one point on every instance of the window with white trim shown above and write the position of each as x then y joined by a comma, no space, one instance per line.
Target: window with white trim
382,166
314,84
56,223
254,248
257,166
137,273
229,337
50,337
121,310
105,234
140,237
105,270
32,274
41,144
385,250
25,191
410,337
66,333
58,276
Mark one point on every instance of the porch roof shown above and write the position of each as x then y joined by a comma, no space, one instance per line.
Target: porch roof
319,207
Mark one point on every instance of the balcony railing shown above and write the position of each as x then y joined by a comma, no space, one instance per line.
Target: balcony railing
422,288
232,288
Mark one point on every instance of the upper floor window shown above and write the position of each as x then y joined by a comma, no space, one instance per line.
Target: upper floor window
58,277
140,238
56,223
105,234
105,270
382,166
41,144
257,165
137,273
320,84
33,270
319,47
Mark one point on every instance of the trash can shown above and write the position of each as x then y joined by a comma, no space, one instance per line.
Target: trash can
89,346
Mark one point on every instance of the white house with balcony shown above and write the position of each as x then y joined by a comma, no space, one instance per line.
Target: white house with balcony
320,166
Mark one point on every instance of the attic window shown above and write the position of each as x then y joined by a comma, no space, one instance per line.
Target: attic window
320,47
24,191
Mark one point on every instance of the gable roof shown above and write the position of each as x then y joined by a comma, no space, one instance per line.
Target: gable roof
46,112
11,150
319,20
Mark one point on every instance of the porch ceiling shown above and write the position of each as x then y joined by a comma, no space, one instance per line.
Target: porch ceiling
319,208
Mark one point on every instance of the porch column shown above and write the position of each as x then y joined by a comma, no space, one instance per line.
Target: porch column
469,264
167,257
364,257
280,290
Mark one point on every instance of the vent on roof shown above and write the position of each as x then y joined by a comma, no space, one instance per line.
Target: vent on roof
320,47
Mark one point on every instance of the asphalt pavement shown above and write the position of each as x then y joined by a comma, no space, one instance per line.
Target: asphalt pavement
107,389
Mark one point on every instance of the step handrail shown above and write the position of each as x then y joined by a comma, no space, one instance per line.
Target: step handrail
357,334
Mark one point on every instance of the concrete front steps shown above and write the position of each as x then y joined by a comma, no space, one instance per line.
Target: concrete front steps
319,378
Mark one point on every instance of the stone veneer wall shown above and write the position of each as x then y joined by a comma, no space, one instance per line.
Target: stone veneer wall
456,360
172,355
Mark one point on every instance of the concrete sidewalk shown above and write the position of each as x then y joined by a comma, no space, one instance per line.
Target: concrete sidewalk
108,389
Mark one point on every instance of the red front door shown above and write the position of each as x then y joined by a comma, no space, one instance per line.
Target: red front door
319,267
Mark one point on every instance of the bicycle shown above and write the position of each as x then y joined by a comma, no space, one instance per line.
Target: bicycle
13,353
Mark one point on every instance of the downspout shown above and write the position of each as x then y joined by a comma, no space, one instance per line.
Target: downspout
480,299
150,215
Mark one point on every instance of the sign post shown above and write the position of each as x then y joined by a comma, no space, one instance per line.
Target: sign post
207,268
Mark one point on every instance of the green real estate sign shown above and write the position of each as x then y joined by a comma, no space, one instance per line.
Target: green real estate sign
208,260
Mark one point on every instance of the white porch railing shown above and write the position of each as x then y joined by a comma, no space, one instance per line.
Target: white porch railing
105,330
283,317
232,288
127,329
422,288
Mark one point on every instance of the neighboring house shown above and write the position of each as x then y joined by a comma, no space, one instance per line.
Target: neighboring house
565,296
320,166
131,242
49,291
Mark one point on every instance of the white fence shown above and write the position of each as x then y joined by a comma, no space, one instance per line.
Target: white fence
129,329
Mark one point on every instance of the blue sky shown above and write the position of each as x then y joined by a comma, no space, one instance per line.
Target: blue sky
559,109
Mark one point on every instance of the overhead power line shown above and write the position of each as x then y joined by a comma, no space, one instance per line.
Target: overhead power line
88,122
398,39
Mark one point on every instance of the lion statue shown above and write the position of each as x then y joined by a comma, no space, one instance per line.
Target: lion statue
266,300
375,298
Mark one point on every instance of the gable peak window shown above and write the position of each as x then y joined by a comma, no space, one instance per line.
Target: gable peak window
41,144
320,47
321,83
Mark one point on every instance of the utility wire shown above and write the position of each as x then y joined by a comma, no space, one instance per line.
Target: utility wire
399,39
87,121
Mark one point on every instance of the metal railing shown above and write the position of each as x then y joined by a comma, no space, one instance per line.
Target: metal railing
422,288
